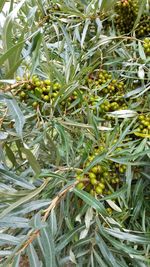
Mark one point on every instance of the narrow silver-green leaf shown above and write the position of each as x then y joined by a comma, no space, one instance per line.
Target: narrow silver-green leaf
23,200
48,247
90,200
17,115
33,257
32,160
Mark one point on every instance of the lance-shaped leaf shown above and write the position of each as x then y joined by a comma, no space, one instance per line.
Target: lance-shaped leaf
16,115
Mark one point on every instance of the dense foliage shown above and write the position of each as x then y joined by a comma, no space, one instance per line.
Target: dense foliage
75,131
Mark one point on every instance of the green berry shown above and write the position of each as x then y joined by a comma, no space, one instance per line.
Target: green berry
44,90
92,192
18,78
46,97
28,86
98,190
105,174
109,210
93,181
22,94
94,170
80,185
141,117
35,104
47,82
92,175
79,177
38,83
117,180
101,185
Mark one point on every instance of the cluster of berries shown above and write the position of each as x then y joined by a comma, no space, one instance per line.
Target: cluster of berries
126,13
35,91
102,178
143,28
104,85
143,126
147,46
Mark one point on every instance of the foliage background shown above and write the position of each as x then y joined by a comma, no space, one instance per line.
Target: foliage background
45,220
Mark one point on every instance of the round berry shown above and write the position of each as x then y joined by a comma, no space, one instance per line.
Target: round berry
98,190
92,175
93,181
46,97
80,185
22,94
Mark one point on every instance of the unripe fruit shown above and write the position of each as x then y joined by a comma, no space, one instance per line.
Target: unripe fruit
28,86
44,89
35,104
38,83
106,174
101,185
90,158
92,175
143,124
93,181
55,94
98,190
22,94
34,77
38,89
141,117
46,97
48,88
121,169
117,180
94,170
80,185
56,86
79,177
147,46
109,210
48,82
92,192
